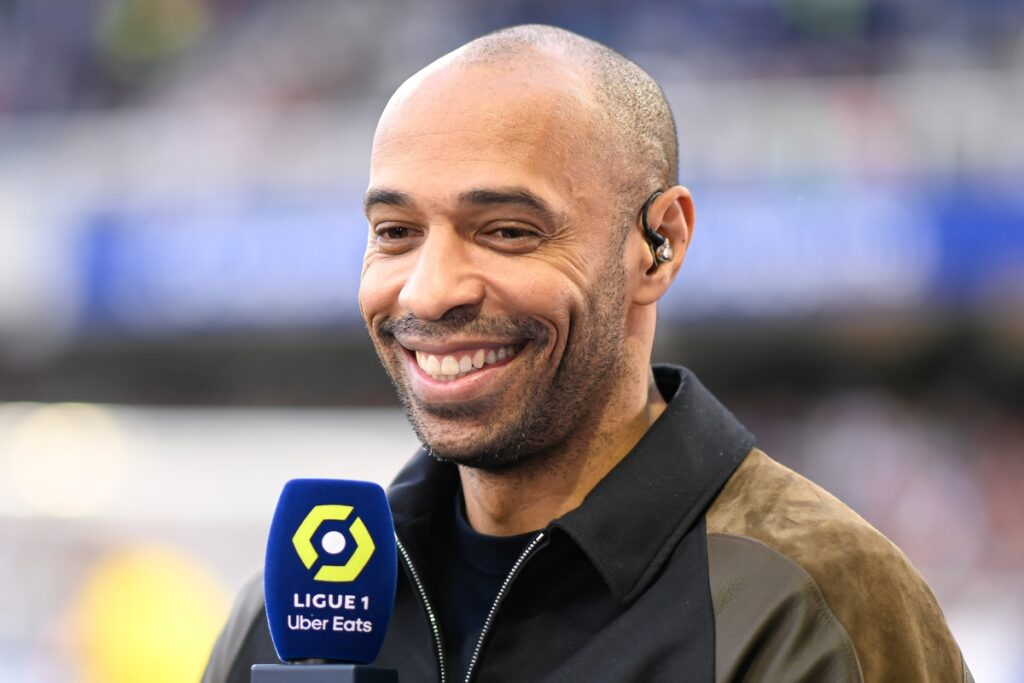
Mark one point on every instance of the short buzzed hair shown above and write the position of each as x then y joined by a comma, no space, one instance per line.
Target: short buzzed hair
633,104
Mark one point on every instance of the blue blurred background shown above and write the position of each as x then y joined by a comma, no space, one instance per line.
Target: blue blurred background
181,238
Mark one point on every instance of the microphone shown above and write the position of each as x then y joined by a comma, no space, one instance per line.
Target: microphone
329,583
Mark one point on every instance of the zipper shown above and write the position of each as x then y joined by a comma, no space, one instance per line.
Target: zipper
497,603
435,625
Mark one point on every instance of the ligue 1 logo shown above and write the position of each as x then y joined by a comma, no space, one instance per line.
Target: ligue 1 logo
333,543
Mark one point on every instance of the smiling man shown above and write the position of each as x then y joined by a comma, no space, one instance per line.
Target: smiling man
576,515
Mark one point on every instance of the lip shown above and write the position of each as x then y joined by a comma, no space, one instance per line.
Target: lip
484,381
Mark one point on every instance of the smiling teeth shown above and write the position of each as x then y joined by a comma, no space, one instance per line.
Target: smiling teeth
449,366
452,366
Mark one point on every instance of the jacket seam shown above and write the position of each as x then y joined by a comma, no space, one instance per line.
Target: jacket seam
815,591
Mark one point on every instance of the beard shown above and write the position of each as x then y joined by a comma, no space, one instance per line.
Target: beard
558,405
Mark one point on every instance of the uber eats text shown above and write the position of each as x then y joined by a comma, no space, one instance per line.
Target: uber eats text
351,622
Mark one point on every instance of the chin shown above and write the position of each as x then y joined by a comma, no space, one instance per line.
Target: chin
487,461
482,450
450,445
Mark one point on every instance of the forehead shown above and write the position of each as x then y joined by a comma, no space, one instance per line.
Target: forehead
487,124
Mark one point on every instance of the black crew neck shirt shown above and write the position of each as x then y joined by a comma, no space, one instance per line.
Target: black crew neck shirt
469,576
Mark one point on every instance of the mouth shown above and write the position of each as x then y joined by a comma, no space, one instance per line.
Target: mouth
448,365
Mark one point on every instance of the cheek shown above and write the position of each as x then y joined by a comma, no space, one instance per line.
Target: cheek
379,287
546,296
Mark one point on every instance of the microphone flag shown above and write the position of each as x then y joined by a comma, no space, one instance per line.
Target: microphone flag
331,567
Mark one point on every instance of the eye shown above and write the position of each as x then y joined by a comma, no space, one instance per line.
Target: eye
511,238
394,239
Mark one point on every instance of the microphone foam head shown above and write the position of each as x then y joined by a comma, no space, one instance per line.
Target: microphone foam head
330,572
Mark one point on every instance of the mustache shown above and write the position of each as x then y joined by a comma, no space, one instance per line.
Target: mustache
465,322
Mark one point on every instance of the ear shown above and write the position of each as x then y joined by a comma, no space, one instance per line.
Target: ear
670,215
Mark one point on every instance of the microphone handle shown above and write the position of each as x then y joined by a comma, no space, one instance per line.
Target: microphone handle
321,673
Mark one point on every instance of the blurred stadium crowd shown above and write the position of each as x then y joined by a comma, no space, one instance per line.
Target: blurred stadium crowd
100,54
180,241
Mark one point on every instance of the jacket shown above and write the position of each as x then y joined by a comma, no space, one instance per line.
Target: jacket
697,558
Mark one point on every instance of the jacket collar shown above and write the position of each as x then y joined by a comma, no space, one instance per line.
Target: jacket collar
630,523
635,517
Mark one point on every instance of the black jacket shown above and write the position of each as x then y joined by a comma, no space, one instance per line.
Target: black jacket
696,559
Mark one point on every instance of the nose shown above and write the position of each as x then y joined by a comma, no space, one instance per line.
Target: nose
443,277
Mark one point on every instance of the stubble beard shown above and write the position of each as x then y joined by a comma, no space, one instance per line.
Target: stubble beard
546,418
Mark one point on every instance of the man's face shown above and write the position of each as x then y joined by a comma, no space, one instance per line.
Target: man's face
493,283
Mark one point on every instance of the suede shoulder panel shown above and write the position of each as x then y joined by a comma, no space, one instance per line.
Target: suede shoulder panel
897,628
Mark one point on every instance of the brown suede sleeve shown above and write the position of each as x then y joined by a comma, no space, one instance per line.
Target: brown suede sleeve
891,616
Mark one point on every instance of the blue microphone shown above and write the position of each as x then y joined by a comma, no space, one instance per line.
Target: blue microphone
329,582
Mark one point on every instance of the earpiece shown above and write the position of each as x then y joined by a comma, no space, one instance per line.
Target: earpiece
664,253
661,250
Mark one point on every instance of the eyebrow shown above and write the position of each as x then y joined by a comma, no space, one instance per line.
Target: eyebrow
516,196
386,197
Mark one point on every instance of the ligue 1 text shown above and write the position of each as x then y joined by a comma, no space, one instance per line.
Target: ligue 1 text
329,600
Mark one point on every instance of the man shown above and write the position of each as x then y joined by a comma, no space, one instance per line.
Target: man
575,515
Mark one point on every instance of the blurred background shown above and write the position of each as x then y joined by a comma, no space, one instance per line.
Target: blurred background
181,238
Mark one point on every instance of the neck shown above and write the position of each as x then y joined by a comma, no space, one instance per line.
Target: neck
528,498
